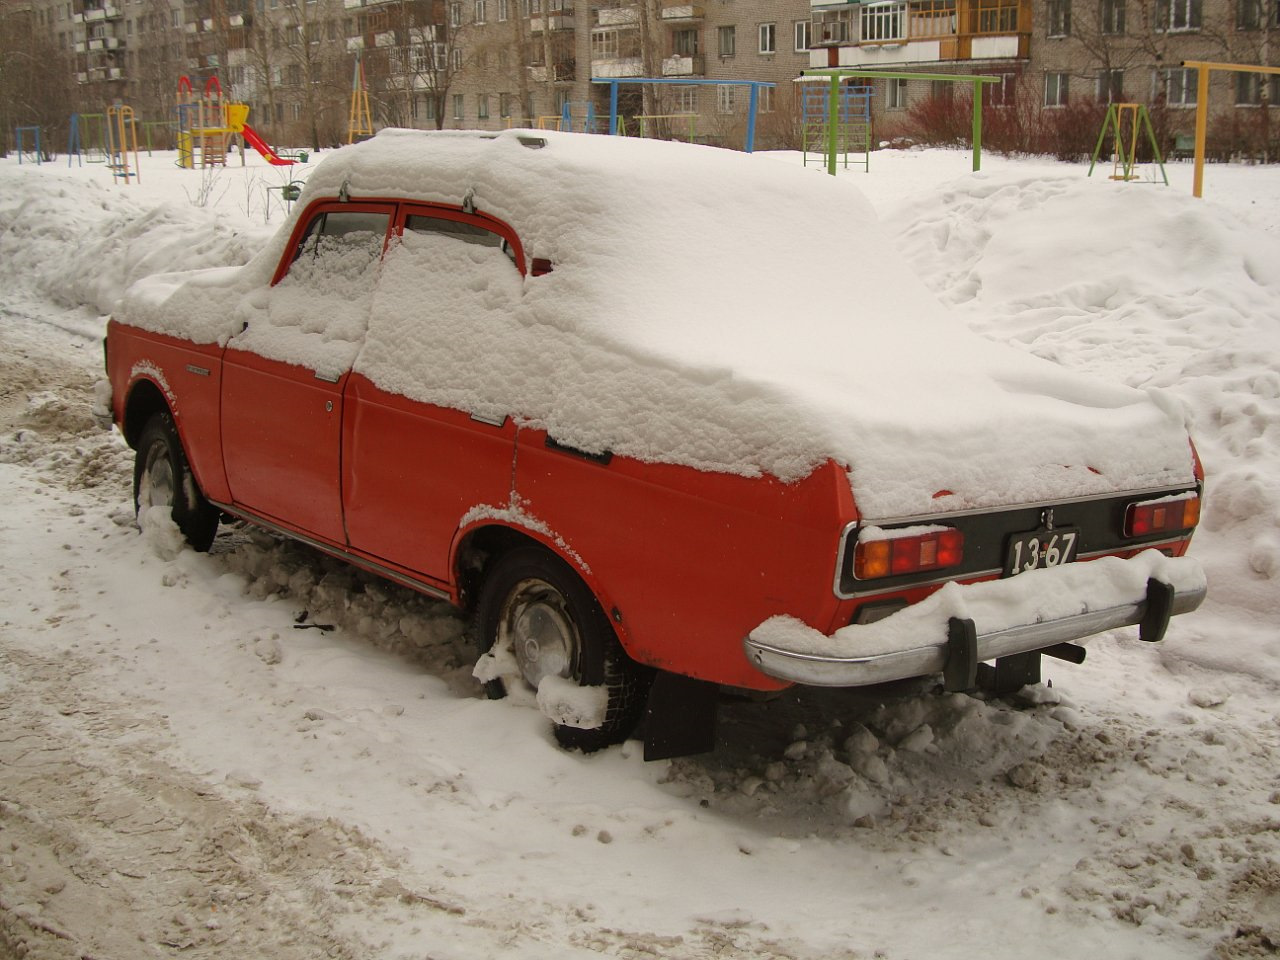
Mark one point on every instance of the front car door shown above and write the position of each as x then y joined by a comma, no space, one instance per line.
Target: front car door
284,373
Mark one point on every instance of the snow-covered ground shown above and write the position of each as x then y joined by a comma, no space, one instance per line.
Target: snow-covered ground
263,753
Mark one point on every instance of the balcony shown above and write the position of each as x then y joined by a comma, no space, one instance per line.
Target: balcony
694,66
115,73
682,13
105,43
920,31
81,46
556,21
94,16
236,20
191,27
618,17
618,68
352,4
385,39
354,44
82,77
562,70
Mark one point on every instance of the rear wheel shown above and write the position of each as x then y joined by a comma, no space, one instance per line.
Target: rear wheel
162,479
537,615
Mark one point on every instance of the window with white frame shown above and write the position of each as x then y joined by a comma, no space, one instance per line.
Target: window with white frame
1111,86
459,108
883,22
726,97
765,99
504,10
481,11
1178,86
1111,17
895,94
455,59
1059,18
482,106
727,40
1177,15
504,104
1000,94
1248,89
1055,89
803,30
768,38
455,14
604,45
686,98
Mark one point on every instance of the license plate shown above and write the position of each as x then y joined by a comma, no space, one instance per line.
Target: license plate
1044,548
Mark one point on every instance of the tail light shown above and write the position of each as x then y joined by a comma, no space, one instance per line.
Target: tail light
1165,515
893,553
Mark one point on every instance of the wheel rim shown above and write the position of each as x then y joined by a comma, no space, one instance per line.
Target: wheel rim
540,630
157,486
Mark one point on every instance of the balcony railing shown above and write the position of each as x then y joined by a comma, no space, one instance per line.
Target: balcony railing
682,12
903,21
693,66
556,21
618,16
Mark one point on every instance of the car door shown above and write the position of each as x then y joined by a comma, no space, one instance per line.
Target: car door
425,444
284,374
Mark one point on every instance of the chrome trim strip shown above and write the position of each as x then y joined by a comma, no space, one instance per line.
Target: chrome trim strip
820,671
198,371
356,561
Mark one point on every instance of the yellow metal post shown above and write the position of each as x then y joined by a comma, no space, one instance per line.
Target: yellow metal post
1202,128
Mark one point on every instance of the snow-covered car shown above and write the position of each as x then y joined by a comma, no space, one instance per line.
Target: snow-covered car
666,418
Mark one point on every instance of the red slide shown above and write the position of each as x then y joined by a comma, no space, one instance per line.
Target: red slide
252,139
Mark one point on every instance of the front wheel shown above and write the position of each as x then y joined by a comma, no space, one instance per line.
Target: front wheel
536,615
162,479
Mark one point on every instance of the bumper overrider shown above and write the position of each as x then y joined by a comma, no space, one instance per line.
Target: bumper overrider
961,625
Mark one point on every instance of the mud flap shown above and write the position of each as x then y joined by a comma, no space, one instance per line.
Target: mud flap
1159,609
961,672
680,717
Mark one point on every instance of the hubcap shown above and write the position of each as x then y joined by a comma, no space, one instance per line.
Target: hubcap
157,486
541,632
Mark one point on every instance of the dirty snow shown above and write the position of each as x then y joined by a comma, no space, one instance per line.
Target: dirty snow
261,752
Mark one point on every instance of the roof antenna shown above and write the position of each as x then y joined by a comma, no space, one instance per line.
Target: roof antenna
469,201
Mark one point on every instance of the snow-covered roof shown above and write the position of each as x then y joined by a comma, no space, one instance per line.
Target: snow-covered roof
708,308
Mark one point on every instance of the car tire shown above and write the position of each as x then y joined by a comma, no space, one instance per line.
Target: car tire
534,604
163,478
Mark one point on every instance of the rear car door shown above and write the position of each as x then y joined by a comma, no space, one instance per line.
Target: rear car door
285,372
422,449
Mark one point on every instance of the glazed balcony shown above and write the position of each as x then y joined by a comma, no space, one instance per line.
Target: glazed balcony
919,31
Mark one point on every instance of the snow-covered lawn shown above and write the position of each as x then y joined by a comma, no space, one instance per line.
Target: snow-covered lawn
263,753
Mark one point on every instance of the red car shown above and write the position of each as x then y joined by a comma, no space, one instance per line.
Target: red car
630,404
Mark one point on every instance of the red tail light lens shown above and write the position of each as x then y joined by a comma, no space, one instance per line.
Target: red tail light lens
1161,516
894,555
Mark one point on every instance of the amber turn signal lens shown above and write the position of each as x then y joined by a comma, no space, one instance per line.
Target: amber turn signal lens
1161,516
897,556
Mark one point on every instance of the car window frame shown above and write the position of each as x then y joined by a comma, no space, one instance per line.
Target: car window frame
332,205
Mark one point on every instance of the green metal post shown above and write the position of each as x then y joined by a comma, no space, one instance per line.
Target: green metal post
833,120
977,126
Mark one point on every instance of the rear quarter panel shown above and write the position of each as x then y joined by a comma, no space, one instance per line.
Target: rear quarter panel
687,562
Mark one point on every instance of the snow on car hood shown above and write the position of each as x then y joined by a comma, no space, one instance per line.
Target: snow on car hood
707,308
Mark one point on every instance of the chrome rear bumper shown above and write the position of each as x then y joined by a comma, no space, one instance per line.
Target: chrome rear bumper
964,624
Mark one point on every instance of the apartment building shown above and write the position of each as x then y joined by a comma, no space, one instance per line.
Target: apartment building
490,64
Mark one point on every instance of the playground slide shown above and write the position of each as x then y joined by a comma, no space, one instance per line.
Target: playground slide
252,139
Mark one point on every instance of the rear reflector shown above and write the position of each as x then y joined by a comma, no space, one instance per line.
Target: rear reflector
894,556
1161,516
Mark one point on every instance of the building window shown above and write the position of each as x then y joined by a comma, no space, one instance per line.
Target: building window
1060,18
1178,86
726,97
1111,86
1176,15
1000,94
458,108
684,43
1250,88
686,99
1111,17
802,30
883,22
504,104
768,38
503,10
895,94
481,11
1055,89
429,108
764,100
482,106
727,40
455,58
455,14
